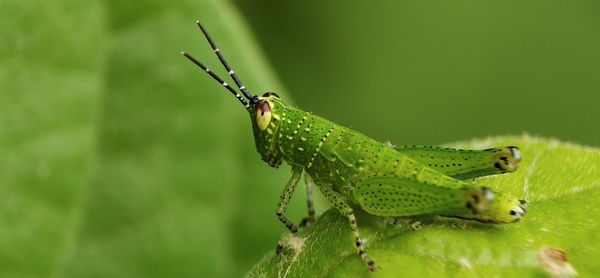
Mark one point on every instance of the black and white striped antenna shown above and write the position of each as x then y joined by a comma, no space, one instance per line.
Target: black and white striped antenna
237,81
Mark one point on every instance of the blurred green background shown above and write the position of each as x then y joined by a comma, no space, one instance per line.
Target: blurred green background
429,72
118,158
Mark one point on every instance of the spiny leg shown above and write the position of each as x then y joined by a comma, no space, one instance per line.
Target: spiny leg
465,164
340,203
284,199
307,221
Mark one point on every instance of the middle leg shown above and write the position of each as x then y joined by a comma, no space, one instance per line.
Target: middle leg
307,221
339,202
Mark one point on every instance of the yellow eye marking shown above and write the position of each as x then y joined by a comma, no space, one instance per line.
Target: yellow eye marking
263,115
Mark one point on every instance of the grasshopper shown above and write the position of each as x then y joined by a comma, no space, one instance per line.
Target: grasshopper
353,170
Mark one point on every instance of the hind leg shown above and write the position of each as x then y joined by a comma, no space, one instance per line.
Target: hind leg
405,197
465,164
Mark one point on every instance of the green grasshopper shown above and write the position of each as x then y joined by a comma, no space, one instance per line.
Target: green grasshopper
353,170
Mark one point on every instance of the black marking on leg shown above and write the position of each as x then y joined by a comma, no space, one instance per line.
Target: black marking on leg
372,266
475,198
287,222
470,207
339,202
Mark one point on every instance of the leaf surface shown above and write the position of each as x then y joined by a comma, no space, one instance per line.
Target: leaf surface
120,158
561,181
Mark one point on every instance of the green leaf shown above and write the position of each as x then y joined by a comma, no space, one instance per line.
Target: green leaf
50,81
561,181
120,158
172,180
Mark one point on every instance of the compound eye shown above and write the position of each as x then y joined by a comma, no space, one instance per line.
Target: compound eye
271,94
263,115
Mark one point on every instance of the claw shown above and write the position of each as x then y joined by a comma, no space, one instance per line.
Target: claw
519,210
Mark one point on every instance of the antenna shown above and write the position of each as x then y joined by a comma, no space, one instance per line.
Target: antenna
237,81
216,77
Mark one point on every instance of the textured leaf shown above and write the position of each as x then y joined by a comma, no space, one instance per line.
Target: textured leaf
561,181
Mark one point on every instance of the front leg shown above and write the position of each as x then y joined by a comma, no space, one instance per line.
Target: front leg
285,197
